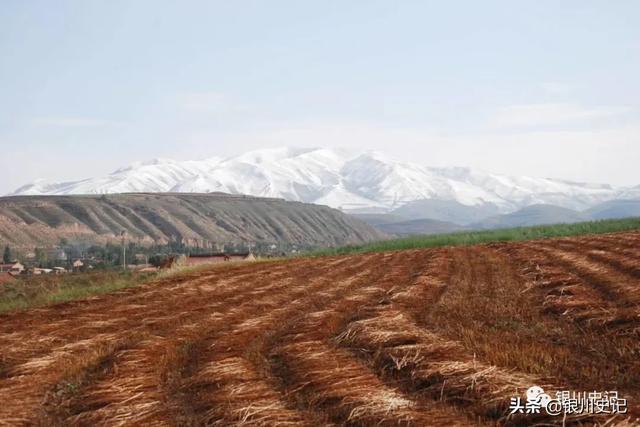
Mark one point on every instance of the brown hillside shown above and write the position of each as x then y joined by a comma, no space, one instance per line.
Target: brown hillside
29,221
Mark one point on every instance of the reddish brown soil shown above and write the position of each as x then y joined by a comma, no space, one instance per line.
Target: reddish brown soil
420,337
6,278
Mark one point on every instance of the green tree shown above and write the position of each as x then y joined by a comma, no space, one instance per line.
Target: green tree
7,258
41,257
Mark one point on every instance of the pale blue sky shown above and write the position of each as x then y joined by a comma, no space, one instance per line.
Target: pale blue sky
543,88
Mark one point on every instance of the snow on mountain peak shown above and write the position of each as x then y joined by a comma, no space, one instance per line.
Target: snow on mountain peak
271,155
368,180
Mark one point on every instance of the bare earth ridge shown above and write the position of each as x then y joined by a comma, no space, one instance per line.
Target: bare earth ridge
29,221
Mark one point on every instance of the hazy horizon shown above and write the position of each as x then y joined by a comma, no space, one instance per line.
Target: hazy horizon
534,88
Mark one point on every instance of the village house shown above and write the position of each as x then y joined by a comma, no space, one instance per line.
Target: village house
36,271
13,268
197,259
59,270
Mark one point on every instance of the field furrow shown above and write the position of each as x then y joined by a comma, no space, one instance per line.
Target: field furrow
424,363
331,381
218,391
568,290
124,400
421,337
619,288
624,262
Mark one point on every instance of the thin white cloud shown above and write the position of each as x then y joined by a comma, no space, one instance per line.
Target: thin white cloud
201,101
210,102
541,115
555,88
72,122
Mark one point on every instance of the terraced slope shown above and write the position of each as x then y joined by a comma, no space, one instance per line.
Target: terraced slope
28,221
420,337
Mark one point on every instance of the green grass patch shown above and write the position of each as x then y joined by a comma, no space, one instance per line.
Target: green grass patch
488,236
36,291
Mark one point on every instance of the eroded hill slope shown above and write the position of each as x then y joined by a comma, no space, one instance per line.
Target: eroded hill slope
28,221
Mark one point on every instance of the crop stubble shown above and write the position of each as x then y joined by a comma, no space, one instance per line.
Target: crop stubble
418,337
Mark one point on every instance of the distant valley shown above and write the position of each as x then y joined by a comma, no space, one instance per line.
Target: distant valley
436,216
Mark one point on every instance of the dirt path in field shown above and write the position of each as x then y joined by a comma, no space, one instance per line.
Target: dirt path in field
419,337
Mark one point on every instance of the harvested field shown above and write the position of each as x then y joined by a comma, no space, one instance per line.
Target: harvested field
442,336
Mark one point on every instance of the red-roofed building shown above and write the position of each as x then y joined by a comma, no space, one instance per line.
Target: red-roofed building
13,268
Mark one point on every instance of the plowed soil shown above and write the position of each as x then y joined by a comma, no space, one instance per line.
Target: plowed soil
419,337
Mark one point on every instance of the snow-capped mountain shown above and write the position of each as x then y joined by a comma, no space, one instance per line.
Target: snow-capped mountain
364,181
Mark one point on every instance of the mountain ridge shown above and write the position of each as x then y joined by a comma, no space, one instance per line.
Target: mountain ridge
436,216
153,218
363,182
